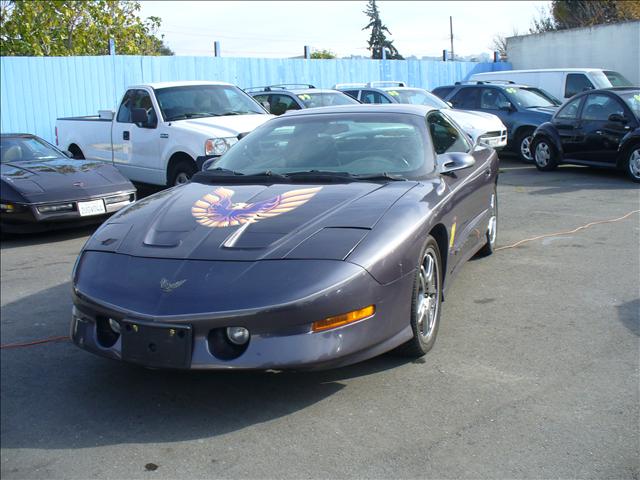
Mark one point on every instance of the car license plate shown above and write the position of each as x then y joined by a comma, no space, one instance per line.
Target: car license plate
161,345
94,207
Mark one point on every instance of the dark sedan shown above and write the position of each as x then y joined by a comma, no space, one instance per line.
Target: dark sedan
326,237
43,188
597,128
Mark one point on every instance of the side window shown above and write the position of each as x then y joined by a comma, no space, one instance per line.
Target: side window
369,96
442,92
446,138
282,103
124,112
576,83
493,99
263,100
351,93
570,110
598,107
466,98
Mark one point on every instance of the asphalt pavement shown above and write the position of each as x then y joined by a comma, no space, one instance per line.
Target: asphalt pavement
534,373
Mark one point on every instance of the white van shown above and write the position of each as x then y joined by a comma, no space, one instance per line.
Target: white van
562,83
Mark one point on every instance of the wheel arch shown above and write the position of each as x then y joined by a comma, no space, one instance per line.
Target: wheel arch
441,236
75,149
177,157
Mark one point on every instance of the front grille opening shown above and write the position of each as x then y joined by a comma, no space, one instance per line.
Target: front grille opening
221,347
105,334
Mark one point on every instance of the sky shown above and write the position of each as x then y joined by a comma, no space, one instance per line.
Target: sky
281,29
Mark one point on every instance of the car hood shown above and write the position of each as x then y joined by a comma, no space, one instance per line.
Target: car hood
228,126
546,110
476,121
62,179
249,222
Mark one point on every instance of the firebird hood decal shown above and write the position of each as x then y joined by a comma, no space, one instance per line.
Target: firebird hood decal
217,209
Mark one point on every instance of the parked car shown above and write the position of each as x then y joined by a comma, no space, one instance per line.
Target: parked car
562,83
164,132
278,99
42,187
521,108
483,127
324,238
599,128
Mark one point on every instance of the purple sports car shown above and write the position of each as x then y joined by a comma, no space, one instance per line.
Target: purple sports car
325,237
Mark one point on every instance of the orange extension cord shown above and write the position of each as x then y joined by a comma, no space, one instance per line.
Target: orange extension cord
514,245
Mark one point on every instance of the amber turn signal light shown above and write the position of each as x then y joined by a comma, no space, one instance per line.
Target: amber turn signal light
344,319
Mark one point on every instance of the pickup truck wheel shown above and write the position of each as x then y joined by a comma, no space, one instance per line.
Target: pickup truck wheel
181,173
76,152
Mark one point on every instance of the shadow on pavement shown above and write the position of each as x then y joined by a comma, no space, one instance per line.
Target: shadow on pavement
56,396
14,240
629,315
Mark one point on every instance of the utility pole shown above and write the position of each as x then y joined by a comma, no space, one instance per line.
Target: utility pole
451,32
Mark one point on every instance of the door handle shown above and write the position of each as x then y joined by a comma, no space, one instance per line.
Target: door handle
487,172
125,135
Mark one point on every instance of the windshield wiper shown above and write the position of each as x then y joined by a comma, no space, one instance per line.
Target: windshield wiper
237,112
183,116
325,174
382,176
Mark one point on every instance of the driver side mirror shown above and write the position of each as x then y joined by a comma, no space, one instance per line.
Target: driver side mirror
139,116
617,118
507,108
452,162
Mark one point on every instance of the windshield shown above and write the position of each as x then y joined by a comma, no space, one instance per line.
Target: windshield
354,143
417,96
528,97
546,95
632,99
325,99
197,101
19,149
609,78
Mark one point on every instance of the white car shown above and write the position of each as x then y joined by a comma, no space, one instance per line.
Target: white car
164,132
482,127
562,83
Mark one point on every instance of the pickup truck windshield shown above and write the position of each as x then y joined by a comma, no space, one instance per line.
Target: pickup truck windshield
197,101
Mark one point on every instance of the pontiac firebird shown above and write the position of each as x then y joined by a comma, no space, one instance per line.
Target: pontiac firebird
325,237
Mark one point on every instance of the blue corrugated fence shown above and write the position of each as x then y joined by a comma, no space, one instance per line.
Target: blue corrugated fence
34,91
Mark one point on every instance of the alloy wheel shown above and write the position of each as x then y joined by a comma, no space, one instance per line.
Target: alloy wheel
634,163
524,148
428,293
542,154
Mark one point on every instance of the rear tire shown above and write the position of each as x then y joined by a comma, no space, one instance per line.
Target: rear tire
181,172
545,154
426,299
632,163
492,229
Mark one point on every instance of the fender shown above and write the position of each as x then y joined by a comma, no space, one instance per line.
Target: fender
630,139
548,130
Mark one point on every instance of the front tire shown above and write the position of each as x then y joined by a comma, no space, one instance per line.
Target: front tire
492,229
632,163
524,145
426,301
181,173
545,154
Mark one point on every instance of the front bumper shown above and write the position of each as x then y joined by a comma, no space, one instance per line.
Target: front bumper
496,140
34,216
281,335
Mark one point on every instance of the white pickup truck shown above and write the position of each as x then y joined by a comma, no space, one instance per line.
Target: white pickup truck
164,132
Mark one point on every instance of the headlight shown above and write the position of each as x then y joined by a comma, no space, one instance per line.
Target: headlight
218,146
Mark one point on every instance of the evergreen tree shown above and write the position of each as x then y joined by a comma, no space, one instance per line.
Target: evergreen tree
378,40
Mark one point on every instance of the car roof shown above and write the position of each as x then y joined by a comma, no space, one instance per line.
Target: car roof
536,70
421,110
180,84
297,91
19,135
489,84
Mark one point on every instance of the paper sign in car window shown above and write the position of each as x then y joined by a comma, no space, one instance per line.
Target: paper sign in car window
304,96
511,90
636,97
393,93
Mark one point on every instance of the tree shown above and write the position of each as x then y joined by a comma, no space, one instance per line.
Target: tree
499,43
77,27
564,14
323,54
378,40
